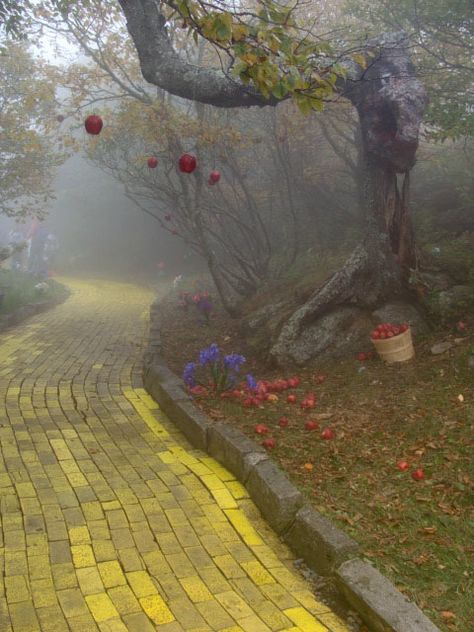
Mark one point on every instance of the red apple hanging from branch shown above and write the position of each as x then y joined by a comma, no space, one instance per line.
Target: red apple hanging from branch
187,163
152,162
214,177
93,124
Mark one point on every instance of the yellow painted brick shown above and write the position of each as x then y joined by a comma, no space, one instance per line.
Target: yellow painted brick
234,604
76,479
253,624
237,490
17,589
228,566
60,449
113,625
92,510
243,526
199,469
25,490
156,609
82,555
79,535
124,600
44,593
212,482
304,620
224,499
333,622
141,583
272,615
196,589
64,576
307,600
89,580
101,607
111,573
220,471
257,573
104,550
110,505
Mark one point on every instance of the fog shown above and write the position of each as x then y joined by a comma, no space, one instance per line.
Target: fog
102,233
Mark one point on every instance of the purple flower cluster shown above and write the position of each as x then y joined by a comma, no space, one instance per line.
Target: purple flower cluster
223,371
233,362
189,374
251,382
210,355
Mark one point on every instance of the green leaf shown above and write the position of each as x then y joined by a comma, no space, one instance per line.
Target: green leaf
280,90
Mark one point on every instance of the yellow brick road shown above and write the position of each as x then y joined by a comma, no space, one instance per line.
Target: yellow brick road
109,519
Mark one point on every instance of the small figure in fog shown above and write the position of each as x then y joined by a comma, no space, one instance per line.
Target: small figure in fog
16,241
38,236
51,247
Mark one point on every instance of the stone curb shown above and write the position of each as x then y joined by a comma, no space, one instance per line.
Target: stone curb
325,548
377,600
30,309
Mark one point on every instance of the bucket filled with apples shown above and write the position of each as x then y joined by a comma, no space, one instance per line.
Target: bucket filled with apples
393,342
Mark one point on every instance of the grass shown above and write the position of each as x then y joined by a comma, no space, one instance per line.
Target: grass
19,289
418,533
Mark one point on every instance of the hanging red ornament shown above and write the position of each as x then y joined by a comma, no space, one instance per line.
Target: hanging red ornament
93,124
187,163
152,162
214,177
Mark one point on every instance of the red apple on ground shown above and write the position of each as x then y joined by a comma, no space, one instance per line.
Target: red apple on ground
93,124
261,429
269,444
362,356
403,465
327,434
291,399
187,163
418,475
319,379
283,422
311,425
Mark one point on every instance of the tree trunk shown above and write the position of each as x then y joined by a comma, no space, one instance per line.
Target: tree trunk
337,317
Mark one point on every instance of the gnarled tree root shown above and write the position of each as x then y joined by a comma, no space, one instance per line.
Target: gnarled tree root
337,316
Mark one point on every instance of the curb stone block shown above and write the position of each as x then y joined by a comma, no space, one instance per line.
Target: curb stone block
192,423
379,603
322,545
277,498
234,450
164,387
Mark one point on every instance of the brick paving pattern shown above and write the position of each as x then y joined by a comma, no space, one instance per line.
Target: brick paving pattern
109,519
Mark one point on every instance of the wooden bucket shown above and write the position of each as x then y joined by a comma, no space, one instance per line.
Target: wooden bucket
397,349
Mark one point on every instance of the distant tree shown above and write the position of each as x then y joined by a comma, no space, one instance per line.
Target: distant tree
28,153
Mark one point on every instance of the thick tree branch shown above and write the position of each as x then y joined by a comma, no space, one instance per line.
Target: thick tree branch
163,66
